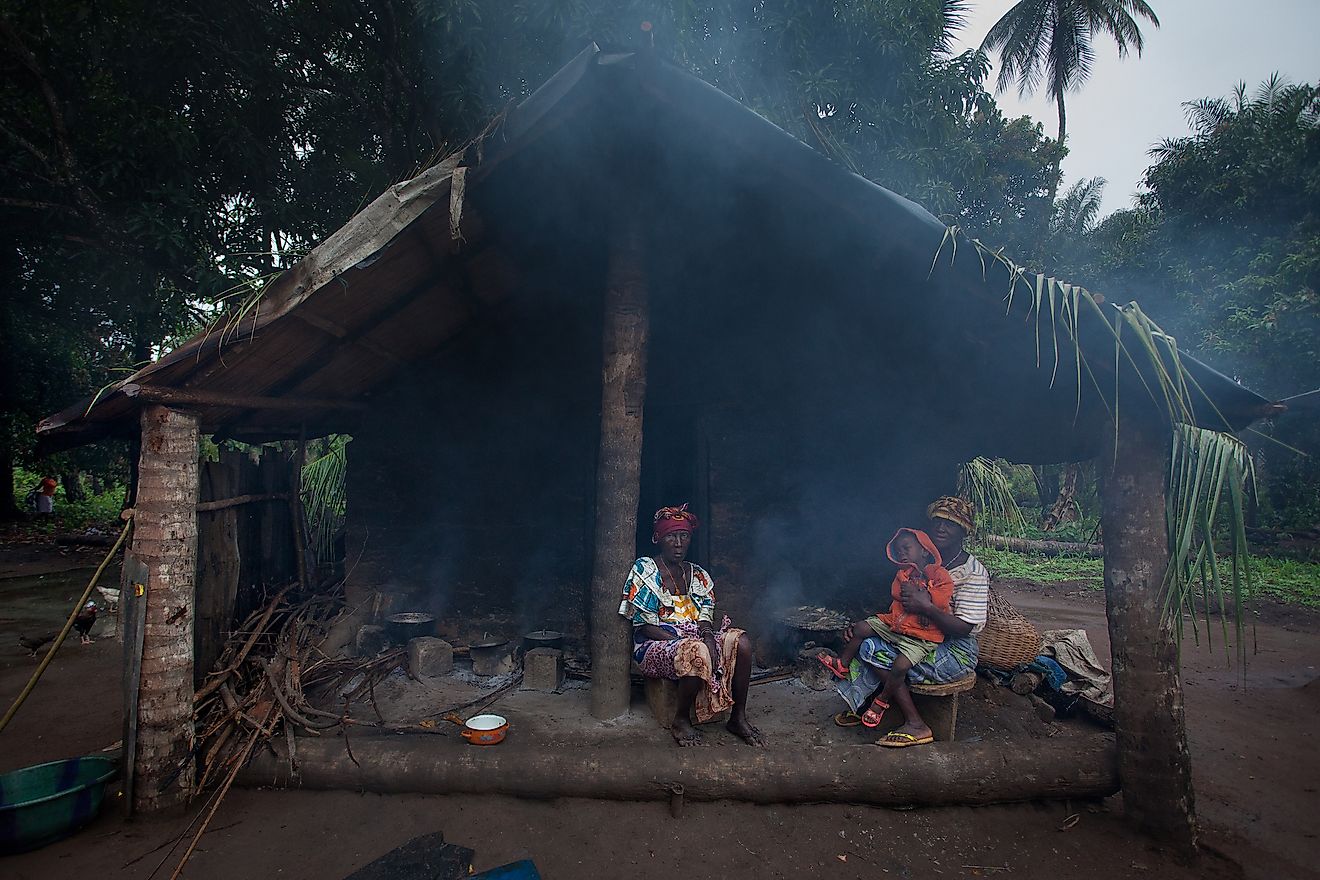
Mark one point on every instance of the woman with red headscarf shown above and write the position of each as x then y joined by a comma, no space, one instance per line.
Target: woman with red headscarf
671,604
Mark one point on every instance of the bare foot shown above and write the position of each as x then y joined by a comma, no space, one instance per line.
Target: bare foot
684,733
740,727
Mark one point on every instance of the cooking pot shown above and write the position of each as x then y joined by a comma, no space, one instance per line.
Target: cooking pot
543,638
409,625
491,657
485,730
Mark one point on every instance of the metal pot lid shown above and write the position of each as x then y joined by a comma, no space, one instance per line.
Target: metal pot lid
411,617
484,645
544,635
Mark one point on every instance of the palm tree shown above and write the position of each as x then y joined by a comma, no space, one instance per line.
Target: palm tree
1049,42
1076,212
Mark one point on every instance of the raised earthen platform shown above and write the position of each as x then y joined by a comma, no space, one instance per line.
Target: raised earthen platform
555,749
937,775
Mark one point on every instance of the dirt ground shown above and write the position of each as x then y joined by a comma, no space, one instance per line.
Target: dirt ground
1256,779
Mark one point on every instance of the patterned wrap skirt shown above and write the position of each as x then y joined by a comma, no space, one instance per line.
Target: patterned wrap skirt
947,661
688,656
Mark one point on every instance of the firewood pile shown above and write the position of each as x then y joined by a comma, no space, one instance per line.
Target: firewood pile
266,682
271,677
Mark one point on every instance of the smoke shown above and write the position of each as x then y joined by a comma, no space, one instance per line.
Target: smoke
779,333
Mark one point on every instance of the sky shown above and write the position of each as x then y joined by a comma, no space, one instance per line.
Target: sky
1202,48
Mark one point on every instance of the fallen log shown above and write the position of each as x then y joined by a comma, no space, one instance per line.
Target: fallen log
1042,548
934,775
1026,682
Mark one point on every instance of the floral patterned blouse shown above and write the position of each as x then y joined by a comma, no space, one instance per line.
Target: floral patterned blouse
647,598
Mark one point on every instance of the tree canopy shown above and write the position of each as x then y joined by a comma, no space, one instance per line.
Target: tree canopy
1223,250
161,158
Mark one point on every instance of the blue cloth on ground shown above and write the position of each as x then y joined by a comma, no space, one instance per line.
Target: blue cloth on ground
1053,672
523,870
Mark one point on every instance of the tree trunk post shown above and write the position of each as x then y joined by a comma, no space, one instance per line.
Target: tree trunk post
1154,763
618,468
165,540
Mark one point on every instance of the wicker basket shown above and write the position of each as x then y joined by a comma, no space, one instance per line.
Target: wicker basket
1009,639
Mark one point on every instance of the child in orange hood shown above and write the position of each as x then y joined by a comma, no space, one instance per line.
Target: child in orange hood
913,635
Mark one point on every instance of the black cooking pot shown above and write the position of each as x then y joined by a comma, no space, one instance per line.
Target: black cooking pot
543,638
409,625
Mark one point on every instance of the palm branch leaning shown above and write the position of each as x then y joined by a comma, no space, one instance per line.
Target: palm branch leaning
1210,472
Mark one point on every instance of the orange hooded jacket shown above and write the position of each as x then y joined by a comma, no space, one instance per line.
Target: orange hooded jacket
938,582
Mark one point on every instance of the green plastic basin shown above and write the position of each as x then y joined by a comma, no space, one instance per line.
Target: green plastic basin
48,802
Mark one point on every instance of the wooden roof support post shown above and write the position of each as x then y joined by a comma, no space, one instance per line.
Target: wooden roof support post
1154,763
618,465
165,541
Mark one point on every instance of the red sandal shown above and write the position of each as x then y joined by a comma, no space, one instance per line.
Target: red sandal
871,717
834,665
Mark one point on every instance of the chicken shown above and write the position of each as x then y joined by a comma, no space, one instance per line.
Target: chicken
84,621
111,598
33,644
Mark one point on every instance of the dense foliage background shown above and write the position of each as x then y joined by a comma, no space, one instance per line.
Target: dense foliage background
161,157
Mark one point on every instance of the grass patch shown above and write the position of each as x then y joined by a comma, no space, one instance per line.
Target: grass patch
1043,569
1286,580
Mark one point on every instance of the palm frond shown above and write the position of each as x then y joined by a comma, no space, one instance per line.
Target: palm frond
1204,115
1076,210
983,482
1210,474
324,497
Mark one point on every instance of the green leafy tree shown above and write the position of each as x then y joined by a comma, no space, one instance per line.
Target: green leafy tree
1223,250
164,158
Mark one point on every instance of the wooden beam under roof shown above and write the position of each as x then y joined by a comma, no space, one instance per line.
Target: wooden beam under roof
342,334
198,397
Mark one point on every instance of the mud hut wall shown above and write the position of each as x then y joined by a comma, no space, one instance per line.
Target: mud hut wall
803,519
470,485
807,437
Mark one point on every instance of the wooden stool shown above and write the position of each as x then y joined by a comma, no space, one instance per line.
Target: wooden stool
938,705
662,698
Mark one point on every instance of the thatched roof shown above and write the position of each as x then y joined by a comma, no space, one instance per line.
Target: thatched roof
761,245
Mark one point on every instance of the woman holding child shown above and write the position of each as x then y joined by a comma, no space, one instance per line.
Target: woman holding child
928,636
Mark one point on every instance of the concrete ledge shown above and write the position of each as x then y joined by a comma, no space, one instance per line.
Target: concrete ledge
933,775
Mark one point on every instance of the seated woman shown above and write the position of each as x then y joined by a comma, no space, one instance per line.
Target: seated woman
950,523
671,603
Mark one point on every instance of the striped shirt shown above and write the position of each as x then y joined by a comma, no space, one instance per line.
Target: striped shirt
971,592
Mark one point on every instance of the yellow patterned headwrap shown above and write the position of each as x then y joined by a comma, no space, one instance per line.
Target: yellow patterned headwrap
955,510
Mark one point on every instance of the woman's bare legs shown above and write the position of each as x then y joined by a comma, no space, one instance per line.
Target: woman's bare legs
681,727
738,724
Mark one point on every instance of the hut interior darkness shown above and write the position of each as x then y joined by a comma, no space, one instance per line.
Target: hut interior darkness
814,371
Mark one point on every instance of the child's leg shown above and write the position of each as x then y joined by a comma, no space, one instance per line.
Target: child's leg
895,676
861,632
